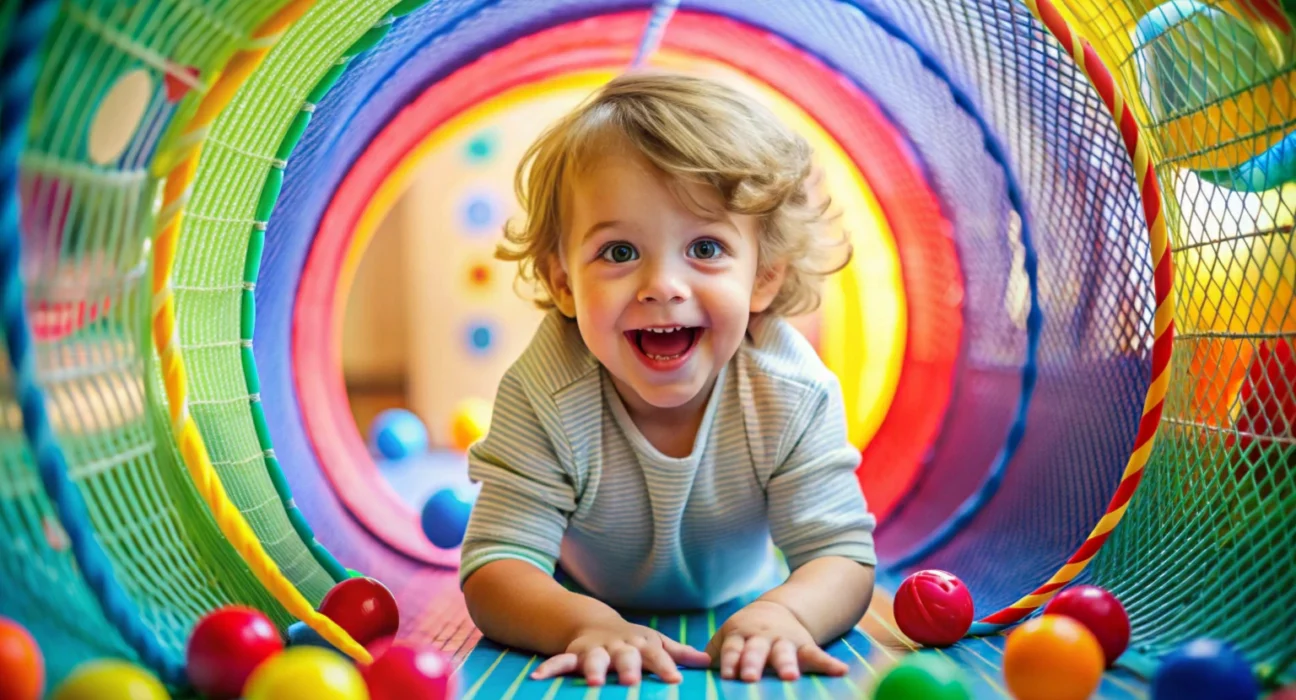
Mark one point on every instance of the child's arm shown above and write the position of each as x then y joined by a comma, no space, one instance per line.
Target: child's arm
828,596
516,604
513,542
819,519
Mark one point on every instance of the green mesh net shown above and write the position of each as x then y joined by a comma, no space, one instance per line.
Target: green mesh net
1210,534
87,220
209,273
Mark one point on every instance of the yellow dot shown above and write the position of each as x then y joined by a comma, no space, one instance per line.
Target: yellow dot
111,678
119,116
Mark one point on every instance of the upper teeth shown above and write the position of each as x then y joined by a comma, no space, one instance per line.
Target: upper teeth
664,330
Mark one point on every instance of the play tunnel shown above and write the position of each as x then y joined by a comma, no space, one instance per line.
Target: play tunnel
1065,340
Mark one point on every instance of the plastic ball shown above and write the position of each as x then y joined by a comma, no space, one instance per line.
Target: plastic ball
1052,658
1287,693
307,673
397,433
1204,668
410,672
300,634
445,518
22,667
1098,610
923,677
933,608
110,678
225,647
469,423
364,608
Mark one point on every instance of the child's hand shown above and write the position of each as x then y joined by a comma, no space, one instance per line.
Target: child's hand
766,632
626,649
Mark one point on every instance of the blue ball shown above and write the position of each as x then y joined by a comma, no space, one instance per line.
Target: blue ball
299,634
1204,669
397,434
445,518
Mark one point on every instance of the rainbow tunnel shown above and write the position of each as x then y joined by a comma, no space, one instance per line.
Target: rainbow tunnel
1066,338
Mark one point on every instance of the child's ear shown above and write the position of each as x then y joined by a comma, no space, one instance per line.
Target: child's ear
560,287
768,283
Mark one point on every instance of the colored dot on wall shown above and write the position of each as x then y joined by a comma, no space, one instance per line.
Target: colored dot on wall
479,275
480,337
480,212
481,147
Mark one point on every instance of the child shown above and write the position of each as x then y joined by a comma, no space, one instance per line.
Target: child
665,422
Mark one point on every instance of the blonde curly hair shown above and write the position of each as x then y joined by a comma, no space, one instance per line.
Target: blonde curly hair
695,130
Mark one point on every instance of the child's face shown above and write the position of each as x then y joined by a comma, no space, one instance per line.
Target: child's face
636,258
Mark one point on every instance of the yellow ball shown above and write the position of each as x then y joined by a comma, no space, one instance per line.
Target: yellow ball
470,422
306,673
111,679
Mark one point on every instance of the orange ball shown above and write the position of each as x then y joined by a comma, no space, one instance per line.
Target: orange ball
22,667
1052,658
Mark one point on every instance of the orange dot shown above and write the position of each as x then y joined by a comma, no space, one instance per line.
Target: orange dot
479,274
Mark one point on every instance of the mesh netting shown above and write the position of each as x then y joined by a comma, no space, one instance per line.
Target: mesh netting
86,196
209,280
1210,531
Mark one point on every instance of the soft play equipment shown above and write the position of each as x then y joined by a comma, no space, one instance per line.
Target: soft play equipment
1065,343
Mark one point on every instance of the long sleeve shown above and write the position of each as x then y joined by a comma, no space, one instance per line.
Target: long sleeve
816,507
526,497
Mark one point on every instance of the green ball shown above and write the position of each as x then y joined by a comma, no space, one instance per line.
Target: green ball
925,677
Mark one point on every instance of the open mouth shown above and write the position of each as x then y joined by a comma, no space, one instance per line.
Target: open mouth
664,345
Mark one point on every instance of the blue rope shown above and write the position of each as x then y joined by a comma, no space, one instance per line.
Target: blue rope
662,11
976,502
20,64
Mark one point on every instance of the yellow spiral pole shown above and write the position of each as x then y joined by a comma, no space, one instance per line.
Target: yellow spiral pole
179,181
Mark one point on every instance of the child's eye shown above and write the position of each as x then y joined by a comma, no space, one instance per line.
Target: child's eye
706,249
618,253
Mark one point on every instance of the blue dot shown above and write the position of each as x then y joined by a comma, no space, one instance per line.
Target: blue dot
480,213
481,147
480,338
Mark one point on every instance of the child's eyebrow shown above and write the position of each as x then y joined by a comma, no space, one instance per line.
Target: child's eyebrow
610,223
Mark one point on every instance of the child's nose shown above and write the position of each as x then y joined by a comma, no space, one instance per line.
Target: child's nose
663,285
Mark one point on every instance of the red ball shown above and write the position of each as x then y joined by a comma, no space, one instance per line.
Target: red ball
226,647
1287,693
933,608
1098,610
22,666
364,608
410,672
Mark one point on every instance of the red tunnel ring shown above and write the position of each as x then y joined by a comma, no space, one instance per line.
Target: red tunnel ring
923,237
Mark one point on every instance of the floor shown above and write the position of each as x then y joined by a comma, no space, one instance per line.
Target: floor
488,671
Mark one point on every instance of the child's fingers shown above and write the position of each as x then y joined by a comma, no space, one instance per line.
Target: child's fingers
595,665
556,666
657,660
684,654
754,656
730,651
816,660
783,659
627,664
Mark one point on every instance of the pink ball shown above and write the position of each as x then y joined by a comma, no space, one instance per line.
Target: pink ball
226,647
1099,611
410,672
364,608
933,608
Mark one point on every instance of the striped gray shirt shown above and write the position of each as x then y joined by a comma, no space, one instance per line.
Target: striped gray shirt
568,478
